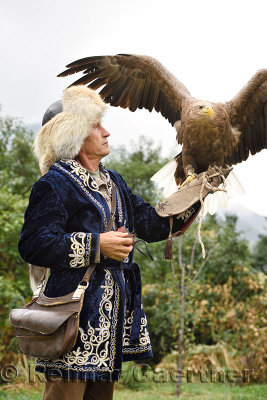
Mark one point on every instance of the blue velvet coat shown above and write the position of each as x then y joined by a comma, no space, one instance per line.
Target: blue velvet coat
65,215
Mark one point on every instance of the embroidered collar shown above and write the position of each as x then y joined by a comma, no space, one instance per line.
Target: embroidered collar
86,177
83,178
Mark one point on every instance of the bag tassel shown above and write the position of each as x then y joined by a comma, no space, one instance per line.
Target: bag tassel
168,246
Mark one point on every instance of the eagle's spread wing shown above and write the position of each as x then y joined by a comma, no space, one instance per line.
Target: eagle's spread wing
248,112
132,81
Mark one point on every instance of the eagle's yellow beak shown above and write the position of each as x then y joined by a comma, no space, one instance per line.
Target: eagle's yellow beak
207,110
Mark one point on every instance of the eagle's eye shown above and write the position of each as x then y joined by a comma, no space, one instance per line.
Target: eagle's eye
200,107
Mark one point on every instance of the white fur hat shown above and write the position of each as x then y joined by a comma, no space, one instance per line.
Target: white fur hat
63,136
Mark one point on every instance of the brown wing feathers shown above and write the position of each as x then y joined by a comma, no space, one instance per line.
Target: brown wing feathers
131,81
252,140
248,112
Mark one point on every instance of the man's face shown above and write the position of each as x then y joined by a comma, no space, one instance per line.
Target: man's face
96,144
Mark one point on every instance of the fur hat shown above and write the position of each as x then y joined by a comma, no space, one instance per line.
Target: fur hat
63,135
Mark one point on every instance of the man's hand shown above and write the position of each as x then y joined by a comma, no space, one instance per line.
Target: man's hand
115,245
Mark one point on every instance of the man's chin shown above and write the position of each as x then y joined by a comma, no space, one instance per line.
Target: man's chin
106,152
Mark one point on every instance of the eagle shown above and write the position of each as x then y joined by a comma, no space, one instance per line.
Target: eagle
211,134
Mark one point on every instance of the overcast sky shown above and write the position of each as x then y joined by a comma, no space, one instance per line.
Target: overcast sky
213,47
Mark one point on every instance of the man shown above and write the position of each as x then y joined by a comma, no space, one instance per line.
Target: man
64,230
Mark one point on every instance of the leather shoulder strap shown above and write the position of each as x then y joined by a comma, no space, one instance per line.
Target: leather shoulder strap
88,272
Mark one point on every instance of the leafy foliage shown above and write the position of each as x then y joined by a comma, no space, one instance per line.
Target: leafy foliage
18,167
259,254
138,166
18,172
225,306
238,319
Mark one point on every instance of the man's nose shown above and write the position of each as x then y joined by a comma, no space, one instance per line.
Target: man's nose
105,133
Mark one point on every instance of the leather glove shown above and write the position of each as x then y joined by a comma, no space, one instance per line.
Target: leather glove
180,201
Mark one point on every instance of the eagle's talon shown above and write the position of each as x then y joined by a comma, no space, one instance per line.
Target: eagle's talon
188,180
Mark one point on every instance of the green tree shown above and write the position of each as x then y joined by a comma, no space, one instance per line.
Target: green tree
18,171
18,168
207,304
137,166
259,254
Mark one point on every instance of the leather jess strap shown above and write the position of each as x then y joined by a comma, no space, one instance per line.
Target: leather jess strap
91,268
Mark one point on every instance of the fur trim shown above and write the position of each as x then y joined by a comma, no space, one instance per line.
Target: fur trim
63,136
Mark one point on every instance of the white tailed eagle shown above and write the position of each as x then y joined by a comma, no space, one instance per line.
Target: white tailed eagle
211,133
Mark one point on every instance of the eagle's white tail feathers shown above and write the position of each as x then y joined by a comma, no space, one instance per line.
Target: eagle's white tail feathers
170,188
164,173
232,186
165,178
213,200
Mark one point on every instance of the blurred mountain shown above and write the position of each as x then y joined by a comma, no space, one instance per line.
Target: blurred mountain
249,223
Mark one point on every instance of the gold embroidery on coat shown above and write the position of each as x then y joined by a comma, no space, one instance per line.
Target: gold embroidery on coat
144,340
119,203
85,176
81,248
80,171
84,190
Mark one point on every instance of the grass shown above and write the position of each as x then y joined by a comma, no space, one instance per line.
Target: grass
195,391
152,390
20,393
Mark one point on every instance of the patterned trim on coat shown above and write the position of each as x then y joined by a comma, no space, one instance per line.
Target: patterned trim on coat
103,169
119,203
81,249
80,171
144,339
85,176
85,191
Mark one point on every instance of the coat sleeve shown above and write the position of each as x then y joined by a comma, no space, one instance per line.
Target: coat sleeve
44,240
150,227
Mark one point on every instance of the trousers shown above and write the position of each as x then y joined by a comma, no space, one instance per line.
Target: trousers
60,390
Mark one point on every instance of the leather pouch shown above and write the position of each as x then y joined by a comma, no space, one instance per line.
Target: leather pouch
48,326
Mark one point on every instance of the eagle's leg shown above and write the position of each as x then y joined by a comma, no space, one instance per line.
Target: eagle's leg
189,179
190,174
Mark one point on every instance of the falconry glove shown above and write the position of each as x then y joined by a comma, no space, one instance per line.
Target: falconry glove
206,182
180,204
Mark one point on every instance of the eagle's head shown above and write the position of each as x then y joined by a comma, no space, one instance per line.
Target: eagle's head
200,110
205,110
